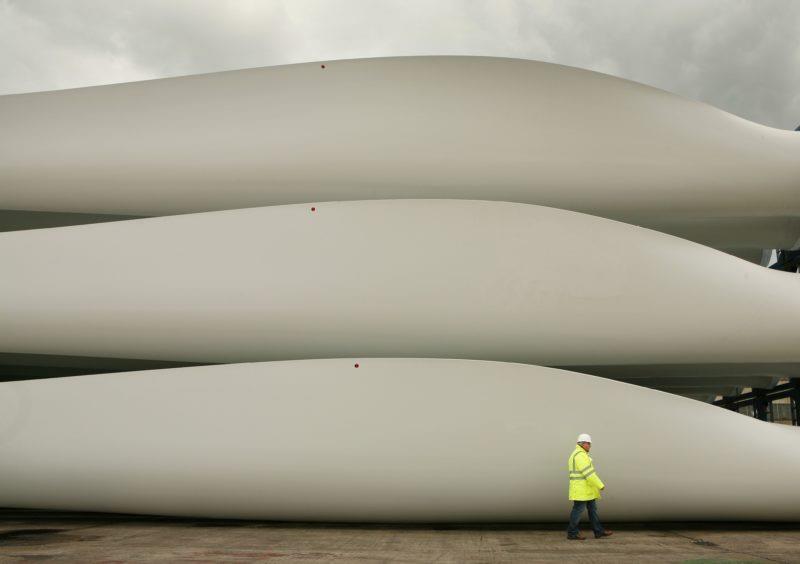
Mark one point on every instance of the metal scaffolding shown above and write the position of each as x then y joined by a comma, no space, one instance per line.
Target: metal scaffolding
761,401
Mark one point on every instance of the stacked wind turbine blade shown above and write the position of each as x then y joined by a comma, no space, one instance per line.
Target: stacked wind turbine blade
399,224
391,440
411,127
433,278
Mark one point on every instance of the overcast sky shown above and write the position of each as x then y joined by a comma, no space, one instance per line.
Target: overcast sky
740,55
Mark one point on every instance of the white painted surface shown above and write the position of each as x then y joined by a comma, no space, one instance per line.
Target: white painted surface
395,439
416,127
430,278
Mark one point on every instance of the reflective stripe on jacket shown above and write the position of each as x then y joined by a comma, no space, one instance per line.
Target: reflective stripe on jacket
584,483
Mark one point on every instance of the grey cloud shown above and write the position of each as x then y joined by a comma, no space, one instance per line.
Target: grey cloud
742,56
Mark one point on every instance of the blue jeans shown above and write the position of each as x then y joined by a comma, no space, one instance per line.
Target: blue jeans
575,517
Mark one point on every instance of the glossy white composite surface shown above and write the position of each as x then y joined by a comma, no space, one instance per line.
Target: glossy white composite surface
394,439
424,127
431,278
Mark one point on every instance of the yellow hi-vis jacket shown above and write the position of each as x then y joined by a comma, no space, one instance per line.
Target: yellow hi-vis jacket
584,483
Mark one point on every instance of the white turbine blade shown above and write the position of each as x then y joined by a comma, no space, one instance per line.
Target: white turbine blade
391,440
432,278
416,127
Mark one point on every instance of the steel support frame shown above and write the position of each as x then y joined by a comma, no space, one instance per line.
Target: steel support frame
761,400
788,261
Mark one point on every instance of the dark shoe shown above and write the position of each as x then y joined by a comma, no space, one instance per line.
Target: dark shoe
579,537
603,534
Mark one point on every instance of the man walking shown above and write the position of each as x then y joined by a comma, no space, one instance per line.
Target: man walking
584,490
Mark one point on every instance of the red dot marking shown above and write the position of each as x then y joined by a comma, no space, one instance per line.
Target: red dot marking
313,209
356,365
322,66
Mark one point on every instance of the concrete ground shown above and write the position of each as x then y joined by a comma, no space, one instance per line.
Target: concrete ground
67,537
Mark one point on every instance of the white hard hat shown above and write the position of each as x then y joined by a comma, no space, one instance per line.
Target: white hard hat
584,438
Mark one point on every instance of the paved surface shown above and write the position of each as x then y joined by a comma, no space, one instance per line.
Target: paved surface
62,537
